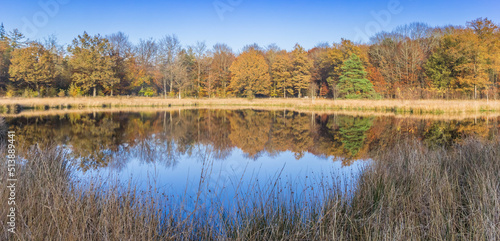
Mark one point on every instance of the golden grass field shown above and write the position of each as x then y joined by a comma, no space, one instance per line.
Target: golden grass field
397,106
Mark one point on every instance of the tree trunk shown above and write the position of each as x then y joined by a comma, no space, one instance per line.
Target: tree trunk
475,91
111,91
171,82
224,89
164,89
95,91
199,78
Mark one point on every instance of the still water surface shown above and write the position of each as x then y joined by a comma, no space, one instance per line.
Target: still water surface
192,155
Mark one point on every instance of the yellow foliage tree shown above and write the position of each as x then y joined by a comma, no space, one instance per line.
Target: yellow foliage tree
301,74
282,73
33,65
250,74
92,63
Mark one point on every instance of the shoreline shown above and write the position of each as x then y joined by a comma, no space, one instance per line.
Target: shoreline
13,105
86,110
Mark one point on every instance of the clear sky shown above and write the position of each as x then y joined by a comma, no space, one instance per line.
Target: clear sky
236,22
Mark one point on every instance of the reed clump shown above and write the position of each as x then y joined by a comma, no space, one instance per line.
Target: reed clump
53,204
419,193
412,192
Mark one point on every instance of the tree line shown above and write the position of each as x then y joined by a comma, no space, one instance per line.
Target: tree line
413,61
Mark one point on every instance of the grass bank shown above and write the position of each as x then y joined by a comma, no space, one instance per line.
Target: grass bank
9,105
87,110
409,193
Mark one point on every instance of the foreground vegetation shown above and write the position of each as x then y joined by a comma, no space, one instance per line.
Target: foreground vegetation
14,105
415,61
411,192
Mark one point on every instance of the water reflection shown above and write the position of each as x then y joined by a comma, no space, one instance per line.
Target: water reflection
194,156
102,139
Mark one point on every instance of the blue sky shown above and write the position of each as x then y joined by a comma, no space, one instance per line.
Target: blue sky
236,22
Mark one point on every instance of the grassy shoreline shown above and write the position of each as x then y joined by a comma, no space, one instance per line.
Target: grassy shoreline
409,193
8,105
90,110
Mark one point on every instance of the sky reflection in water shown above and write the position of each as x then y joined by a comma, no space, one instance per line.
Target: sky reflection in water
240,153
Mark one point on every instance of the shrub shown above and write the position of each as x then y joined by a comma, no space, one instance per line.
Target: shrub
74,91
61,93
28,93
51,92
147,92
11,91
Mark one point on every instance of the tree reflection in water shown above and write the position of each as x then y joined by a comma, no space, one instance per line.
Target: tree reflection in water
103,139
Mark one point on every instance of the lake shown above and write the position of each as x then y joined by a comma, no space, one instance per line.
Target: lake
195,155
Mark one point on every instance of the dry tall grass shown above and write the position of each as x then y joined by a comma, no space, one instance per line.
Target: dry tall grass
415,193
3,128
409,193
86,110
405,106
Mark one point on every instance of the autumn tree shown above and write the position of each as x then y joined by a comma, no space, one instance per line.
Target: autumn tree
17,39
4,57
62,79
465,59
92,63
122,52
472,72
301,72
488,34
200,51
3,33
250,74
319,72
270,54
33,65
146,53
331,63
353,83
142,67
222,59
9,41
282,73
254,47
400,56
169,48
206,80
183,70
333,59
440,67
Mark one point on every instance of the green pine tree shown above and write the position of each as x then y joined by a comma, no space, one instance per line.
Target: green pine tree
353,83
